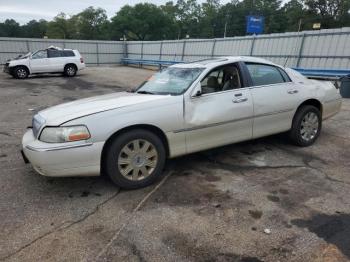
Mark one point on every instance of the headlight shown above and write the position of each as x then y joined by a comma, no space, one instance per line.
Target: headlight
64,134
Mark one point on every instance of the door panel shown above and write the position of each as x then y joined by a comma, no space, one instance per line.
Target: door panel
56,64
218,119
56,60
275,99
39,62
274,108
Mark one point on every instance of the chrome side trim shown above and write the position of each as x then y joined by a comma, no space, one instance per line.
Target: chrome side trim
56,148
230,121
211,125
274,113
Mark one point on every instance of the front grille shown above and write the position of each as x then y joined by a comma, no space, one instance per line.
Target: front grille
37,123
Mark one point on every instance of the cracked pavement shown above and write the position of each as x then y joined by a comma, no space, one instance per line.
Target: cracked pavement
209,206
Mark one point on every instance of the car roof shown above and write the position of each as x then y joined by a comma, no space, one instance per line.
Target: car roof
59,49
217,61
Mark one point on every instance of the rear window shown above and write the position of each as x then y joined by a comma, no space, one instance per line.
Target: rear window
265,74
67,53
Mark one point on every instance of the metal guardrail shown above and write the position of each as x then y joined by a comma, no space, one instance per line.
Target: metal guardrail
140,62
325,74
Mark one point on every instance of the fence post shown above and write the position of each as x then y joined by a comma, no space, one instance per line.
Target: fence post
161,50
301,49
213,48
141,53
97,54
27,44
183,50
125,48
160,54
252,46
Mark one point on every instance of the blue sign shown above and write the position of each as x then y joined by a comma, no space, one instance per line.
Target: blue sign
255,24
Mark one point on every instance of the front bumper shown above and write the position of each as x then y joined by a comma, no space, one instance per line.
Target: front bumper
6,68
60,160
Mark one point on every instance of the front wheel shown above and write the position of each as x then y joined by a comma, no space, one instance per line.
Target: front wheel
306,127
20,72
135,159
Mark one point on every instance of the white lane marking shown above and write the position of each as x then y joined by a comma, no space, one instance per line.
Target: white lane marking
116,235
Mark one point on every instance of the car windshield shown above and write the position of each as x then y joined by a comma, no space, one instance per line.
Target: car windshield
171,81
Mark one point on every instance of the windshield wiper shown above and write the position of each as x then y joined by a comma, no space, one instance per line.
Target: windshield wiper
145,92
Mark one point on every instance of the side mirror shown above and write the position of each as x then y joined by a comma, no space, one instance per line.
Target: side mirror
197,92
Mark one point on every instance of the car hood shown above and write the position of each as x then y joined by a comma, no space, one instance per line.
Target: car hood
62,113
25,57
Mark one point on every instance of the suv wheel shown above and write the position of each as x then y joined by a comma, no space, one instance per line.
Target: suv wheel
70,70
135,159
306,127
20,72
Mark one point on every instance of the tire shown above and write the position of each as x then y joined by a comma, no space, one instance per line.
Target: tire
20,72
130,167
306,126
70,70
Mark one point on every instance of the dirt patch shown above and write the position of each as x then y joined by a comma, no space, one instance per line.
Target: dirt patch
334,229
191,190
189,248
256,214
273,198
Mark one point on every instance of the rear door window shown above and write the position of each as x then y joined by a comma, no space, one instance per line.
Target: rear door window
67,53
54,53
262,74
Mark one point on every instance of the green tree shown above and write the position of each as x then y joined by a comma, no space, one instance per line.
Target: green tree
60,27
35,29
188,13
10,28
208,21
233,16
330,13
91,24
143,22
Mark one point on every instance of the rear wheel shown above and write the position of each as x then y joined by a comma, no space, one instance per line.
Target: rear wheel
70,70
306,127
135,159
20,72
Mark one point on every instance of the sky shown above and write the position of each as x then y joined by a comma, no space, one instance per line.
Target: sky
25,10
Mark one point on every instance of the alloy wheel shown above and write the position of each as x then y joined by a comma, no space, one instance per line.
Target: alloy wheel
21,73
70,71
309,126
137,160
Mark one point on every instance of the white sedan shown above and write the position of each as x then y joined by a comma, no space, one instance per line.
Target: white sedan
183,109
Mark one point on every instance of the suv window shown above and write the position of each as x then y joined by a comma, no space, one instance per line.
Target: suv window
40,54
265,74
54,53
67,53
222,78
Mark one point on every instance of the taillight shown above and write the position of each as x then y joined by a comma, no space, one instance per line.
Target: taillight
81,60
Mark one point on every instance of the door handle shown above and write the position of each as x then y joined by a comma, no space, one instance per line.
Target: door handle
240,100
293,91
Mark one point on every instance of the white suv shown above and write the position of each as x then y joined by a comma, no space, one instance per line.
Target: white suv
51,60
